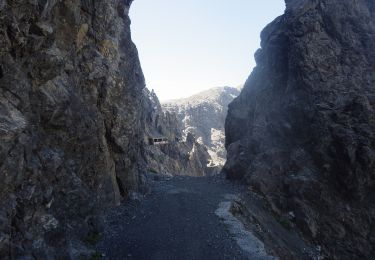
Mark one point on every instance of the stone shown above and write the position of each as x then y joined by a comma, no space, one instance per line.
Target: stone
49,222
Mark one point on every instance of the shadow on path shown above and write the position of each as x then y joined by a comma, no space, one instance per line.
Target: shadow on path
176,220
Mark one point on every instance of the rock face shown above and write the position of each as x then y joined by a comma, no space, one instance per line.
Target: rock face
302,131
180,158
177,155
70,122
204,115
159,123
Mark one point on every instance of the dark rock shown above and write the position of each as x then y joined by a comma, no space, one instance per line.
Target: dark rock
70,122
302,131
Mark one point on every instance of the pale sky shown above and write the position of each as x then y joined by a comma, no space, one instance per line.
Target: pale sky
186,46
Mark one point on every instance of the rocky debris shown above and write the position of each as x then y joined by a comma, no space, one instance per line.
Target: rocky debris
70,122
302,131
204,115
177,155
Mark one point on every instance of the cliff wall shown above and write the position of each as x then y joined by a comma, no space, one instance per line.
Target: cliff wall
70,122
302,131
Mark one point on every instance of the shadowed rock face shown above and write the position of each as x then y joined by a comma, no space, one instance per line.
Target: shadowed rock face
302,132
70,122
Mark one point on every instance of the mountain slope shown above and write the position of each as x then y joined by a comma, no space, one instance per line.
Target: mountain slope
204,115
174,156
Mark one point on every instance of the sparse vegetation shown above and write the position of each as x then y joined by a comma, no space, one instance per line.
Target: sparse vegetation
96,256
285,223
93,238
153,170
282,220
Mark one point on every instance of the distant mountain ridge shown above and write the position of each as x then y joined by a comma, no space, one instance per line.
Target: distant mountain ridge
203,115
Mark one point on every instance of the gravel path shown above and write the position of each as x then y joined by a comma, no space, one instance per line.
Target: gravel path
180,219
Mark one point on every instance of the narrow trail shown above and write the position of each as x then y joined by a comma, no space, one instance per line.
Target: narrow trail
182,218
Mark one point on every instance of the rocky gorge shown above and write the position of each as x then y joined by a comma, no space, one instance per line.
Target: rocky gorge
89,156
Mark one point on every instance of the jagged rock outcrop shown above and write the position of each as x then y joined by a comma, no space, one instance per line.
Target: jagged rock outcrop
157,122
302,132
180,158
204,115
70,122
177,155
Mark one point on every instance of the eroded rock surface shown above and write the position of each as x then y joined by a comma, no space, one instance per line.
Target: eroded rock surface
70,122
301,133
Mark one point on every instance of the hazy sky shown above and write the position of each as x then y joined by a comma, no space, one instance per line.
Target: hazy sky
186,46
